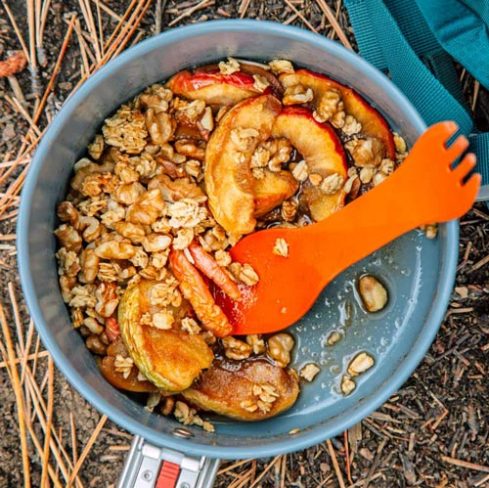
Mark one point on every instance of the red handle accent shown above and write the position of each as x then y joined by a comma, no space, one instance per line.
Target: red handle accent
168,475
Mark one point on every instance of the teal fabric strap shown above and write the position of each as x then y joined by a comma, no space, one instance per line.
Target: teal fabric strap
381,40
462,32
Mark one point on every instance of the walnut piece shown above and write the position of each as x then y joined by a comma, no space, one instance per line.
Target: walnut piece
236,349
360,363
309,371
279,348
373,293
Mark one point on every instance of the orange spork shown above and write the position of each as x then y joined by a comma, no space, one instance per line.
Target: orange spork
426,188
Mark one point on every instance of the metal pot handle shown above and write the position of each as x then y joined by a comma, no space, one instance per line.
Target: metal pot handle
148,466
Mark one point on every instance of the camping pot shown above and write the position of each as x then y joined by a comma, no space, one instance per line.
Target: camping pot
418,272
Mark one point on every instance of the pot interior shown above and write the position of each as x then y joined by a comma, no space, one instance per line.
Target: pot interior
418,272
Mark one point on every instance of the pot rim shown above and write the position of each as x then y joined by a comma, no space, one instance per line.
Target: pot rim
286,443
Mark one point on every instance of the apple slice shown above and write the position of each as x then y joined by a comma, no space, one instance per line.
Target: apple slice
228,178
321,149
213,88
373,123
272,190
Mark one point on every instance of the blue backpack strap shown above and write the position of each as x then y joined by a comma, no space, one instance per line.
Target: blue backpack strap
464,35
381,40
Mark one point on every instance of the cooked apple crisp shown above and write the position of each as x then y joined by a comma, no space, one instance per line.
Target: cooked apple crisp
175,178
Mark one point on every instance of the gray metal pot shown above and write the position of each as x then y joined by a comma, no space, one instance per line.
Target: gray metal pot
419,273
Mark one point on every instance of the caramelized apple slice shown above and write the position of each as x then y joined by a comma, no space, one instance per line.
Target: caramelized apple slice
131,383
228,178
171,359
233,389
271,190
321,149
195,290
213,88
373,123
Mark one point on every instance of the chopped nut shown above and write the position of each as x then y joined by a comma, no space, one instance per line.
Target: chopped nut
387,166
351,126
190,149
360,363
133,232
236,349
192,111
115,250
90,265
297,95
261,83
190,325
96,148
256,342
183,239
147,208
107,299
309,371
378,178
332,184
281,248
365,152
430,231
333,338
300,171
329,105
279,66
163,320
229,67
193,168
126,173
123,365
222,258
160,126
400,143
168,405
95,345
347,188
347,385
156,242
93,325
366,174
68,237
207,120
373,293
280,347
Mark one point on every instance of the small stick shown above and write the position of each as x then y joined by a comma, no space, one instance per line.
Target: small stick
465,464
32,45
243,8
190,11
304,20
107,9
19,398
232,466
87,449
336,466
347,457
16,30
74,447
334,23
30,335
56,69
265,471
47,437
44,16
88,16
